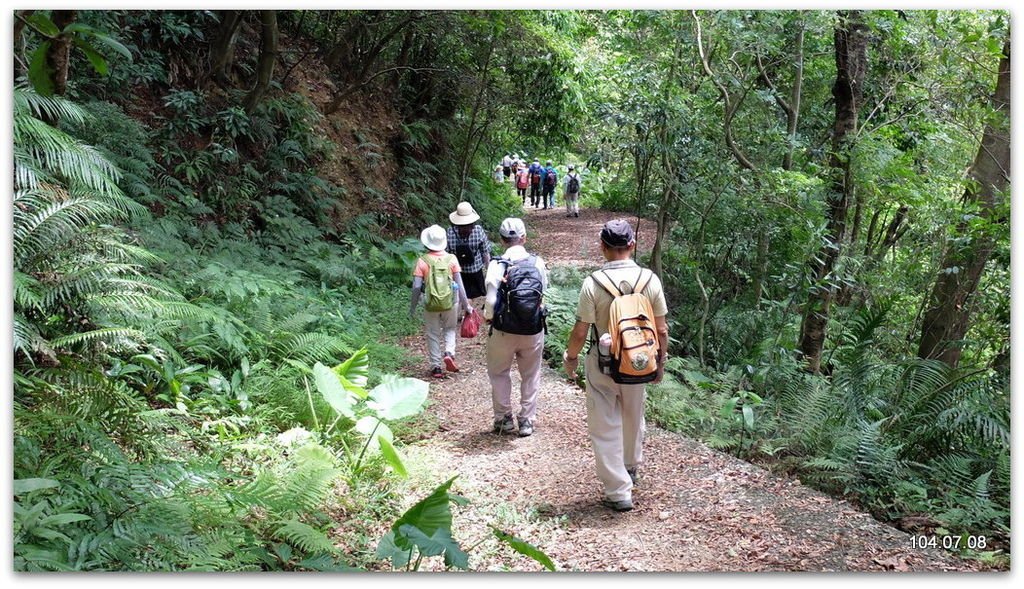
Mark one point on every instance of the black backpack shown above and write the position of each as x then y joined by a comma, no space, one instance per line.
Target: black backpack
574,184
519,308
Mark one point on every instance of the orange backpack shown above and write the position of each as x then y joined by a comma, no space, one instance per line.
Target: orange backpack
634,347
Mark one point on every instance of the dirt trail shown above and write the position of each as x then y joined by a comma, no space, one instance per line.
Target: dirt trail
696,509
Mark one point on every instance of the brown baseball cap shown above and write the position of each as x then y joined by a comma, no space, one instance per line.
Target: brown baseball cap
617,233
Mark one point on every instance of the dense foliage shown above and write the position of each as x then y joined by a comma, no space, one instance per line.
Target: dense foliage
717,126
212,212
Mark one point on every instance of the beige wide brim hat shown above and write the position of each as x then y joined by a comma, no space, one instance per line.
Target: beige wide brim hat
464,214
435,238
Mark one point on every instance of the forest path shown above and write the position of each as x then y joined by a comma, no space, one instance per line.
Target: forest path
696,509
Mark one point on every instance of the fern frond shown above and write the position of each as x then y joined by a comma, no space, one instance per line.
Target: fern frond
28,102
304,537
120,336
312,347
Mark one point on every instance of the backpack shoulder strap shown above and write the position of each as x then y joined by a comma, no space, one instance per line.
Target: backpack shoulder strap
529,260
601,277
438,261
641,282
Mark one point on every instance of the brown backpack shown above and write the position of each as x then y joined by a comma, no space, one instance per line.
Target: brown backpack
634,347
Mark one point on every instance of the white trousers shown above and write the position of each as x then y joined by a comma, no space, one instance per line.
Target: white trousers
528,352
441,330
615,422
572,203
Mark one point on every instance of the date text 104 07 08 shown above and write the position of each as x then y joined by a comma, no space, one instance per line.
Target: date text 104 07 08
964,542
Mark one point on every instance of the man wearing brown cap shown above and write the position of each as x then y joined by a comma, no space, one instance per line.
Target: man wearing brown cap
469,242
514,308
615,412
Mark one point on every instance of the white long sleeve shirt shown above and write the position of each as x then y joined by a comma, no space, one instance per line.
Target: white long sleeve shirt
565,182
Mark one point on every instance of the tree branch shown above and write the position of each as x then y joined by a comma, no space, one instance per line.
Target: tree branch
730,106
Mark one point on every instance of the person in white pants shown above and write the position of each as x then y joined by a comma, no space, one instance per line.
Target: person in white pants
572,199
504,348
440,327
615,412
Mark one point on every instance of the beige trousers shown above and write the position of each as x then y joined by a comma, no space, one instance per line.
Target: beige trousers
441,330
527,351
615,421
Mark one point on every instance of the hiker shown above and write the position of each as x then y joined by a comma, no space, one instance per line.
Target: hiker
497,175
516,164
514,308
506,165
550,183
522,182
535,180
437,276
629,353
469,242
572,193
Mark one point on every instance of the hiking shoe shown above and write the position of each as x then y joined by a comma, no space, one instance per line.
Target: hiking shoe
576,214
505,425
525,427
449,363
632,475
437,372
620,506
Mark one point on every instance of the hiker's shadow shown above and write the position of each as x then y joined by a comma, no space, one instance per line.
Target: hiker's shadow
584,512
486,442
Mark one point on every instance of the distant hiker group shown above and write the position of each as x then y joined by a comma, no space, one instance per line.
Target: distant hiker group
621,314
540,182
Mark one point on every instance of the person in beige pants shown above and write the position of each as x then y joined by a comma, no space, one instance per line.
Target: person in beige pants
615,412
504,348
440,327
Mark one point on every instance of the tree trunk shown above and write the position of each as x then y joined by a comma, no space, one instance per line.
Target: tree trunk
659,239
222,49
20,63
484,86
760,265
793,113
851,63
947,317
268,56
59,54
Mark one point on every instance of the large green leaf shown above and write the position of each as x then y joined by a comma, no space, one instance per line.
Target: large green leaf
387,548
392,457
369,425
748,416
42,22
64,518
22,486
525,548
329,385
398,397
429,515
358,391
356,369
99,63
440,542
85,30
39,72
